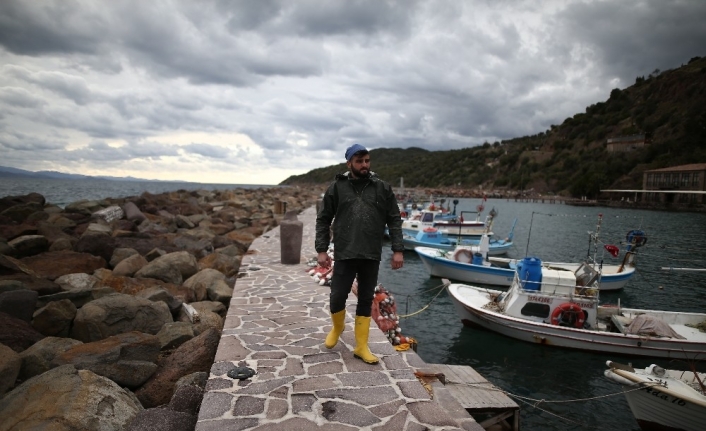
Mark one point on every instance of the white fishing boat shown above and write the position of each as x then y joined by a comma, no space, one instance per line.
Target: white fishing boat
448,224
662,399
561,308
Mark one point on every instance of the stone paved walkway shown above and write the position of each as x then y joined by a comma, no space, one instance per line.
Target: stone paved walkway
276,323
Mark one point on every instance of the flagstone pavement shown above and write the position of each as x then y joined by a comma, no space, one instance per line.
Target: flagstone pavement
276,323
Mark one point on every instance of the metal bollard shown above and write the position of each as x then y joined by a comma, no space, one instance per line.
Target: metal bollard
290,236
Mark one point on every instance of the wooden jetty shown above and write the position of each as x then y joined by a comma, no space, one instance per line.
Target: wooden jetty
489,406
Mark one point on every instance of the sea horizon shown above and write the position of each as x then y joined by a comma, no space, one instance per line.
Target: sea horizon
62,192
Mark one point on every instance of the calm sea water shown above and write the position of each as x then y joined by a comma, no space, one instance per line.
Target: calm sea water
559,233
63,192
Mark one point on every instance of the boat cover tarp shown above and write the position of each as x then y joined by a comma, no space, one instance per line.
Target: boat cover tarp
652,326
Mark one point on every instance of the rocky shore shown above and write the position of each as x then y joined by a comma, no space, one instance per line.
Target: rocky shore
111,311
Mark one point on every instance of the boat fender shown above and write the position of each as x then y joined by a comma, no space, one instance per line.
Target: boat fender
568,314
463,255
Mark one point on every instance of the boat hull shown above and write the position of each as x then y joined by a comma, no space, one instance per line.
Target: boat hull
495,249
446,268
442,267
661,404
469,307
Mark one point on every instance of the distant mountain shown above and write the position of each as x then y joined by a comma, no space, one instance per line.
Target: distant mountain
666,109
8,172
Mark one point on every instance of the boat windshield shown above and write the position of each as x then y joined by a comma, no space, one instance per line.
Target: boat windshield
586,275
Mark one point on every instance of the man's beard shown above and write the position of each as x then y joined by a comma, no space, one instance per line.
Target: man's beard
360,174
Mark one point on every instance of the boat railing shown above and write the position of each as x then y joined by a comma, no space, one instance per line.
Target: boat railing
562,290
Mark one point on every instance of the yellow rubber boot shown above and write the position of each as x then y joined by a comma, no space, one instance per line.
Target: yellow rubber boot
362,330
338,320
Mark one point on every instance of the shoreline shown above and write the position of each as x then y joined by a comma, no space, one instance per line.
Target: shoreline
100,297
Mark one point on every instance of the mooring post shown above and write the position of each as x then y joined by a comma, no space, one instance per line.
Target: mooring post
291,231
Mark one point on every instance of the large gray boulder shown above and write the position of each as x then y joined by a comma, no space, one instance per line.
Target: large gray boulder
116,314
10,364
175,334
172,267
78,281
127,359
130,265
67,399
120,254
55,318
19,303
29,245
17,334
196,355
156,293
38,358
204,280
133,213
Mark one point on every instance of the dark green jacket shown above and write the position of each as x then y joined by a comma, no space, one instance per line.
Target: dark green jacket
359,210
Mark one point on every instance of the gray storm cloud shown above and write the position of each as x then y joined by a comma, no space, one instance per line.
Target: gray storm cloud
192,89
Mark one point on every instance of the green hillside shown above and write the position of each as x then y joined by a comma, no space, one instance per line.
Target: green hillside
569,159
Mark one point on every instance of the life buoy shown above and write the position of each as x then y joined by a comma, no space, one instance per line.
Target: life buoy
568,314
430,229
463,255
403,214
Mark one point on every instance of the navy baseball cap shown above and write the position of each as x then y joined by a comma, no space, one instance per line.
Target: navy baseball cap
353,150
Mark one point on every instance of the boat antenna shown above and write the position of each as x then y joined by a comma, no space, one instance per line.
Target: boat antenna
595,237
529,234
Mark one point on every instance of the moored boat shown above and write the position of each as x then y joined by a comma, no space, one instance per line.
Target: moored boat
561,308
433,238
662,399
499,271
448,224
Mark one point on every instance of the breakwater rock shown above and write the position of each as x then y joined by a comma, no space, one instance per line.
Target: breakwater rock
111,310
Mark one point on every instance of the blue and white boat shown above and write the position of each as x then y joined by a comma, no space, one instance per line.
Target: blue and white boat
478,268
432,237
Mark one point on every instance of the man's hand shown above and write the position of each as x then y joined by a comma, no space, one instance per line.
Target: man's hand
397,260
323,259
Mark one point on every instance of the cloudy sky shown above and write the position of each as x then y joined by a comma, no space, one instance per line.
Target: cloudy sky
251,92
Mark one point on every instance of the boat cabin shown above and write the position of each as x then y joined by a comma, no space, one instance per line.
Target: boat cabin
554,296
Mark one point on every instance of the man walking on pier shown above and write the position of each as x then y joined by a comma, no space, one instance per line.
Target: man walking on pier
360,205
